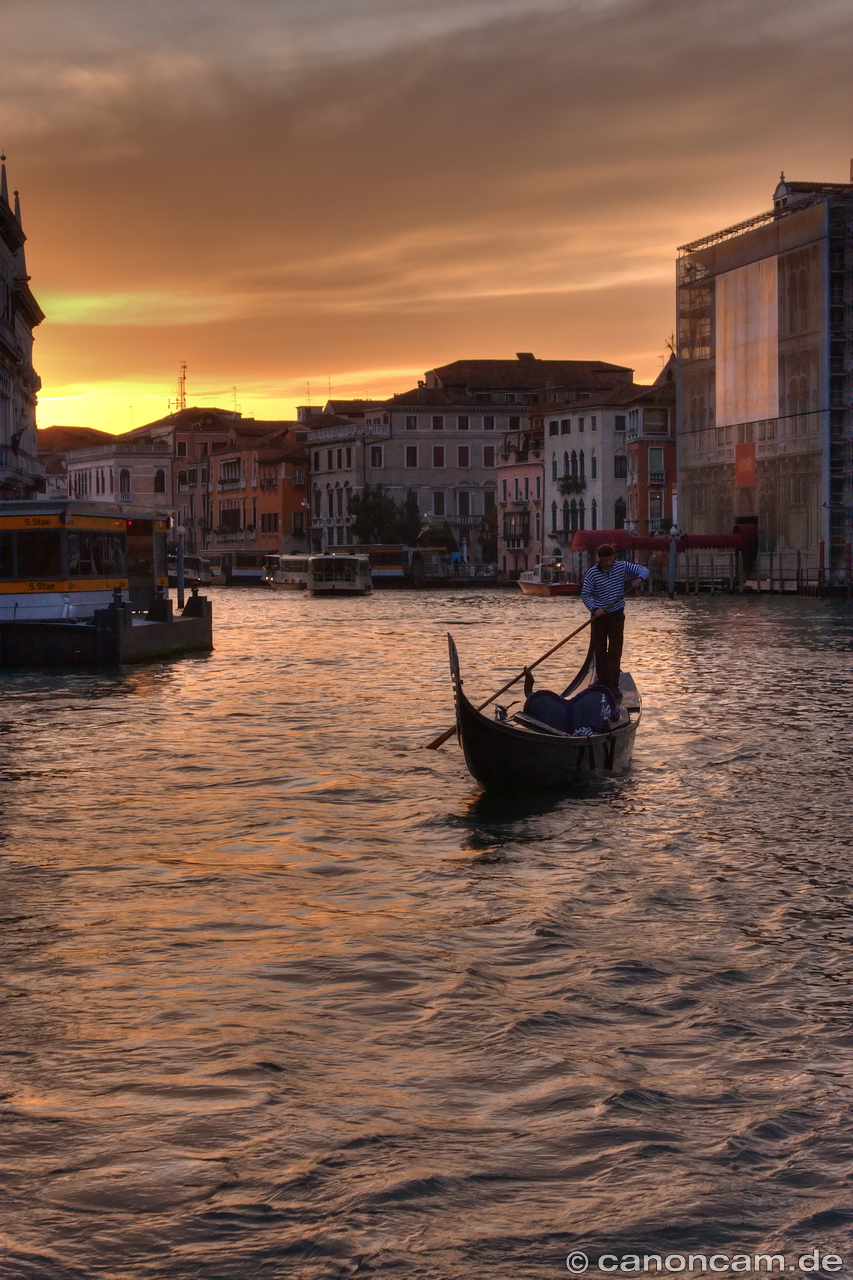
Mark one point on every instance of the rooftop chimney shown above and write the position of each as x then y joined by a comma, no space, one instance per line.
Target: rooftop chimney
527,357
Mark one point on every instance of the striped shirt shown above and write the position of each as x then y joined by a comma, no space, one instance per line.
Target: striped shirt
607,590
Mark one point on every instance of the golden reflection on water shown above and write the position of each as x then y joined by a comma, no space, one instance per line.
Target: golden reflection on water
290,995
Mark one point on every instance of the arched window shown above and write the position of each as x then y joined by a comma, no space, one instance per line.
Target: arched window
582,461
573,516
619,512
565,464
566,523
581,515
538,526
182,479
160,481
330,502
553,466
553,517
574,465
340,500
124,483
593,513
318,500
593,466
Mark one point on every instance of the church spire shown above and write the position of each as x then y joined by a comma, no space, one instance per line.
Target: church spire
17,208
4,186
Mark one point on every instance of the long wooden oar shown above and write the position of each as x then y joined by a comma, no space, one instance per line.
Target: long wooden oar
432,746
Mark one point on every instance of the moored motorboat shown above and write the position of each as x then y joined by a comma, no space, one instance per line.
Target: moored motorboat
523,751
549,579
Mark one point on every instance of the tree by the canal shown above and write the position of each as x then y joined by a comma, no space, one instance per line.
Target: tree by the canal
378,518
410,520
375,515
487,535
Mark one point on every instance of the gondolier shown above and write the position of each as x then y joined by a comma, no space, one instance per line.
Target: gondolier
603,592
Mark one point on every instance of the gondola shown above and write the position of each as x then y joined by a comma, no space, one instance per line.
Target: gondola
518,751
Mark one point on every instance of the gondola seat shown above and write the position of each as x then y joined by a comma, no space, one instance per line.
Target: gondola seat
594,709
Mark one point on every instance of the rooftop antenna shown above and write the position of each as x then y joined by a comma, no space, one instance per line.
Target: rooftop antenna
234,393
308,385
181,402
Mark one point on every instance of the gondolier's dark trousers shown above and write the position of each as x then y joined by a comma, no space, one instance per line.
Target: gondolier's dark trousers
607,634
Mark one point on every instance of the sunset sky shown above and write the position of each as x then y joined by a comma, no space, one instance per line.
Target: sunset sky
349,192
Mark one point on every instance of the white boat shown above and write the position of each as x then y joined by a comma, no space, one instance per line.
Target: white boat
286,573
334,574
549,579
339,575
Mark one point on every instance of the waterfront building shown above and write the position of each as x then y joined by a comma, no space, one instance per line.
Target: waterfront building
569,468
127,469
765,353
194,463
55,444
258,492
521,527
440,441
652,465
21,473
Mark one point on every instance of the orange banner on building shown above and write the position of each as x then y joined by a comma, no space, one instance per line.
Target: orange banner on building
744,466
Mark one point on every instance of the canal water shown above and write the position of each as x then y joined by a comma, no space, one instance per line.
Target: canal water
287,996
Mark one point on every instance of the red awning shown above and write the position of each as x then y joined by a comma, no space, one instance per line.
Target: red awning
622,540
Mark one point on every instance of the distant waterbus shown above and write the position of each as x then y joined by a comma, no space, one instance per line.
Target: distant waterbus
390,566
231,568
346,574
286,573
197,571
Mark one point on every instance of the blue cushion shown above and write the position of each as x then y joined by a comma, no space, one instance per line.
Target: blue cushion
593,709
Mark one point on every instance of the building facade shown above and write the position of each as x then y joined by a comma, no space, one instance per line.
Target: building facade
125,470
258,501
765,354
566,471
21,473
652,463
229,482
441,441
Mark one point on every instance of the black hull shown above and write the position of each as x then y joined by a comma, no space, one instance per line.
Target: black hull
500,755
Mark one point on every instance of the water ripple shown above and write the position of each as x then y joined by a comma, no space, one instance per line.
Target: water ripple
287,996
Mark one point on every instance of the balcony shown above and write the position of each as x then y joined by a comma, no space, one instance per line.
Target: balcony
657,477
223,485
270,483
516,543
125,497
571,484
